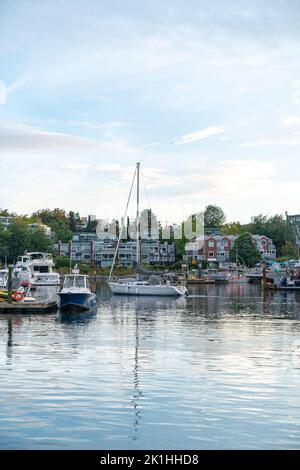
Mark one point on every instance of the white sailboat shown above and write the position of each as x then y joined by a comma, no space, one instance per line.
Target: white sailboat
155,285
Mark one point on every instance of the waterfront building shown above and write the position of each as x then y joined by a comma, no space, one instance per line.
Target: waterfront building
88,248
216,248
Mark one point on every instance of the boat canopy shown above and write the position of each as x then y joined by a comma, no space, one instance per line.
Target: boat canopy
76,281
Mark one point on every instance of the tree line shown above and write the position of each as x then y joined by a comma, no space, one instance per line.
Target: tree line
19,236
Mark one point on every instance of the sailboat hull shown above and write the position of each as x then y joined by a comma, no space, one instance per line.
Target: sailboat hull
155,290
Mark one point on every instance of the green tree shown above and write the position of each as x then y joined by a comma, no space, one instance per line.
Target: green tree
4,248
275,227
214,217
91,225
258,225
72,221
289,251
232,228
38,241
245,250
6,213
58,221
62,262
17,238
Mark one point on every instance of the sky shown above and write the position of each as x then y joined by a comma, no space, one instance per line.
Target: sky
205,94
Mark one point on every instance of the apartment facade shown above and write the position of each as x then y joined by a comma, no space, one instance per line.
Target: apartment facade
88,248
216,248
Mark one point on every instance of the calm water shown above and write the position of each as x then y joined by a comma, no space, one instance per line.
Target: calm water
218,370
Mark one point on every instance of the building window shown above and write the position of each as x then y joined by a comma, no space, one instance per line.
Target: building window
211,243
211,254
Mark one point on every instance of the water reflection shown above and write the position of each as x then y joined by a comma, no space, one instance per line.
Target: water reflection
219,369
84,317
244,300
136,382
144,304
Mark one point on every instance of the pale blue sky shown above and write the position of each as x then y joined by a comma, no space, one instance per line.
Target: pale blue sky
205,93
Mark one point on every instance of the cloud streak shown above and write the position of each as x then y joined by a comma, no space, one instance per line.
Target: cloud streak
199,135
44,141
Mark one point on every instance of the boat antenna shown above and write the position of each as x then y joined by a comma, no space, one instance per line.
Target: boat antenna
122,226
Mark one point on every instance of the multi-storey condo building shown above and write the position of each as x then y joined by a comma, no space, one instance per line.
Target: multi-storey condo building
217,247
87,248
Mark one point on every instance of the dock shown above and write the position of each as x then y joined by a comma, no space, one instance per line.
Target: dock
32,307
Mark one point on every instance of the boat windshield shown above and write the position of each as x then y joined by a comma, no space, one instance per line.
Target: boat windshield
75,281
40,256
23,259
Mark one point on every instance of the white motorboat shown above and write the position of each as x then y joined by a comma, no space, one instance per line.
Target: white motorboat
40,266
152,286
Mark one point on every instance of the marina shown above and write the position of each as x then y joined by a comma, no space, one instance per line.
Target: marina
149,232
218,369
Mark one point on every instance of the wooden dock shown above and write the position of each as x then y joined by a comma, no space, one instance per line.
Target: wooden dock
30,307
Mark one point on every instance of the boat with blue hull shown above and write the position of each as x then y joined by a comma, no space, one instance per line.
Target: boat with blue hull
76,293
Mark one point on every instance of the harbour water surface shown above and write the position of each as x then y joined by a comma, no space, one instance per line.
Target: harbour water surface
218,370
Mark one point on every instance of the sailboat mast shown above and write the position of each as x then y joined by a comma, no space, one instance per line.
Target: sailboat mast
138,212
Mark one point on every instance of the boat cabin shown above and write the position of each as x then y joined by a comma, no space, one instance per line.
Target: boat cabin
76,281
39,261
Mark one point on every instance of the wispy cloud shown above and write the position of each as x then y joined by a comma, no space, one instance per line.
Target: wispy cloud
274,141
199,135
16,84
97,125
292,121
108,168
77,167
35,139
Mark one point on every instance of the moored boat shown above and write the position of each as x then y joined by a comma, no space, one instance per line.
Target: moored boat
219,277
76,293
146,288
154,285
38,269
